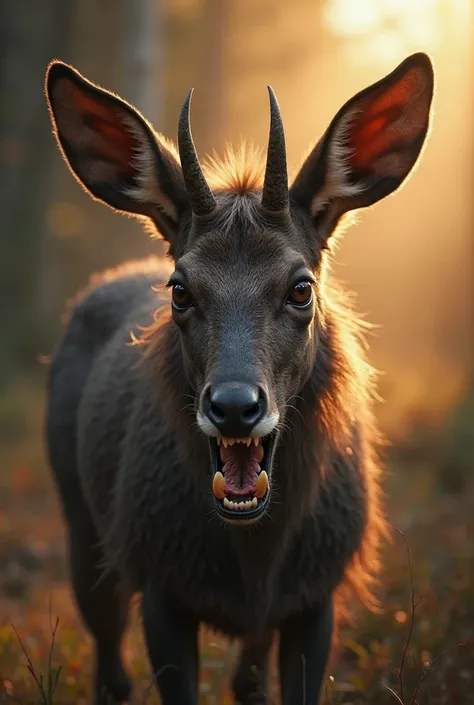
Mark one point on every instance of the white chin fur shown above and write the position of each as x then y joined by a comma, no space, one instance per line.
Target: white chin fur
266,425
206,426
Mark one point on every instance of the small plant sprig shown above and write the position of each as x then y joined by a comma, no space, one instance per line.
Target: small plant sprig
46,684
401,697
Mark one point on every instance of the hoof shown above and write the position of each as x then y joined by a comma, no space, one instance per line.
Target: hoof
113,691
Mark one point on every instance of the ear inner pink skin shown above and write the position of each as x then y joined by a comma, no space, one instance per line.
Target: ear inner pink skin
389,119
94,125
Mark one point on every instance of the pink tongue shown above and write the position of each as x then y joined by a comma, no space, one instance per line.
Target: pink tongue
240,469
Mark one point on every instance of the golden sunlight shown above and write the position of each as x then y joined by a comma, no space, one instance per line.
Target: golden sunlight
385,29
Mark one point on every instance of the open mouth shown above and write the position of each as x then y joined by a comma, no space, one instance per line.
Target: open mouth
240,483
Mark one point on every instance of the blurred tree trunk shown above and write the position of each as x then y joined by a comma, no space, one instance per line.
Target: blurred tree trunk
30,38
69,256
143,57
212,74
101,51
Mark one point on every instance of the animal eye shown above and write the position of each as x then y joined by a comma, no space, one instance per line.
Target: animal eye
301,294
180,298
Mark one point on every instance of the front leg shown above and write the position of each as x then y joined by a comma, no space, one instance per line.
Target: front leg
305,644
250,680
172,640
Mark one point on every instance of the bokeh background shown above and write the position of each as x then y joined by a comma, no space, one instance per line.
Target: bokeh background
409,259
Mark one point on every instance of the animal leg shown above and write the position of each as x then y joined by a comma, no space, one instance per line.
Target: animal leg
305,644
250,680
172,640
103,602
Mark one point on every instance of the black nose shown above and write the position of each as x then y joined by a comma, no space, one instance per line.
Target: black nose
235,408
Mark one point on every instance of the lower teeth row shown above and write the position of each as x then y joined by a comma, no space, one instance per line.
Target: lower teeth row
249,504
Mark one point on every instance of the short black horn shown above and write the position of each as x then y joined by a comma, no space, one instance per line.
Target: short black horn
275,187
200,195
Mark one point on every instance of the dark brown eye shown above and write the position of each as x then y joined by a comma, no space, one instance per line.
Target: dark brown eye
301,294
181,299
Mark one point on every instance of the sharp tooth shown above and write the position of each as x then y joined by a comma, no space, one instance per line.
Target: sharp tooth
224,441
256,440
241,505
231,441
261,485
227,503
253,503
219,439
248,441
218,485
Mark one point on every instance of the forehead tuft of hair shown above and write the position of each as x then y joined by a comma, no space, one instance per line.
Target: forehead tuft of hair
240,170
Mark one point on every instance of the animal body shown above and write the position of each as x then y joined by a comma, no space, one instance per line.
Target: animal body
209,422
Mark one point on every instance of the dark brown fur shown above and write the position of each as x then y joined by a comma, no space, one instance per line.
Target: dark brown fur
128,380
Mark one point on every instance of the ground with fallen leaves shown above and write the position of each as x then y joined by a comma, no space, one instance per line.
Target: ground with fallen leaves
426,629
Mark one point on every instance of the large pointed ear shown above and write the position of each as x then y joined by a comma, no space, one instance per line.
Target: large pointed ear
370,146
113,151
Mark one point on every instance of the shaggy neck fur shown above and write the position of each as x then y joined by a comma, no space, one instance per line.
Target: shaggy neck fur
328,422
329,419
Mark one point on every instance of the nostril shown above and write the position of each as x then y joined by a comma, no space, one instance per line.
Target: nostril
217,413
252,413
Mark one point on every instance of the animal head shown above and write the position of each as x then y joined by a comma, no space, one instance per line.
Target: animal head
247,289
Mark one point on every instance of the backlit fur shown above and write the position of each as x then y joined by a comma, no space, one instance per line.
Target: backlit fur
142,345
127,379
